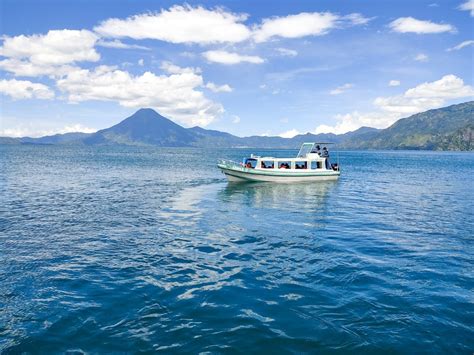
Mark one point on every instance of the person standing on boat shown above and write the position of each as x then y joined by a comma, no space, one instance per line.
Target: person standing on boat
325,153
317,150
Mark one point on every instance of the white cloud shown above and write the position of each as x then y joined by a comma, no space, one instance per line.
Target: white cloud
421,57
467,6
180,24
229,58
295,26
423,97
284,120
171,68
354,120
235,119
216,88
287,52
33,131
54,48
187,24
15,133
120,45
23,89
461,45
26,68
413,25
76,128
357,19
449,86
341,89
304,24
426,96
176,96
48,54
394,83
289,134
141,62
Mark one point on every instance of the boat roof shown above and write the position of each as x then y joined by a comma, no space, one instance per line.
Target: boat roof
307,148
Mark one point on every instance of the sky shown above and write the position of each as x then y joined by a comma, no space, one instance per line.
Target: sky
244,67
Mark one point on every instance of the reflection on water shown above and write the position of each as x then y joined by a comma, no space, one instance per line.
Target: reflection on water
185,206
303,196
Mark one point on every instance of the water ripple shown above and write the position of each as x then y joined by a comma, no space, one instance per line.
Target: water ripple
122,249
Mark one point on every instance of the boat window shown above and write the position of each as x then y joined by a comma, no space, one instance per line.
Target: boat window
301,165
284,165
250,163
316,165
267,164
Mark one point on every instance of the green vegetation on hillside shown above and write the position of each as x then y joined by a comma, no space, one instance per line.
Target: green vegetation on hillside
447,128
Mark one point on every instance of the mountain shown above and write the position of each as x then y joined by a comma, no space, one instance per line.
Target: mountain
144,127
65,138
426,130
207,137
448,128
9,140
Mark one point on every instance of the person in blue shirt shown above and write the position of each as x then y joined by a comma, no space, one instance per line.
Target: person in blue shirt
325,153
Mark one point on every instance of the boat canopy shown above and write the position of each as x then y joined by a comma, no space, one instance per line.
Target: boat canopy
306,148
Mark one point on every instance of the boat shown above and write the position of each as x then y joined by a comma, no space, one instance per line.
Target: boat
311,164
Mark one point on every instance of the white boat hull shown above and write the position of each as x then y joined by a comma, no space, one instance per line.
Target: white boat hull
245,174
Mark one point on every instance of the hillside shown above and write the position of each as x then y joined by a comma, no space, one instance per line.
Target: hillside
462,139
65,138
427,130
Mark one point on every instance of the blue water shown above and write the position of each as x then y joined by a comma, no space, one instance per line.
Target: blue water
145,249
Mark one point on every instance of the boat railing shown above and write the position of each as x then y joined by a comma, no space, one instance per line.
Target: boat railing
230,163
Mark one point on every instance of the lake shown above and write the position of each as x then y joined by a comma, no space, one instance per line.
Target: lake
139,249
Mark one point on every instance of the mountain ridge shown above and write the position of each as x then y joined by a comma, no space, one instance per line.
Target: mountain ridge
447,128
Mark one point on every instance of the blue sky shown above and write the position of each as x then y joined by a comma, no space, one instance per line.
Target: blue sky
245,67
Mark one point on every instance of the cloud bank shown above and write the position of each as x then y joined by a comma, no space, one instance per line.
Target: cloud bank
176,95
423,97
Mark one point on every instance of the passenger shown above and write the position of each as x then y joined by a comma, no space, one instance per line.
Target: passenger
248,165
316,150
263,165
325,153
